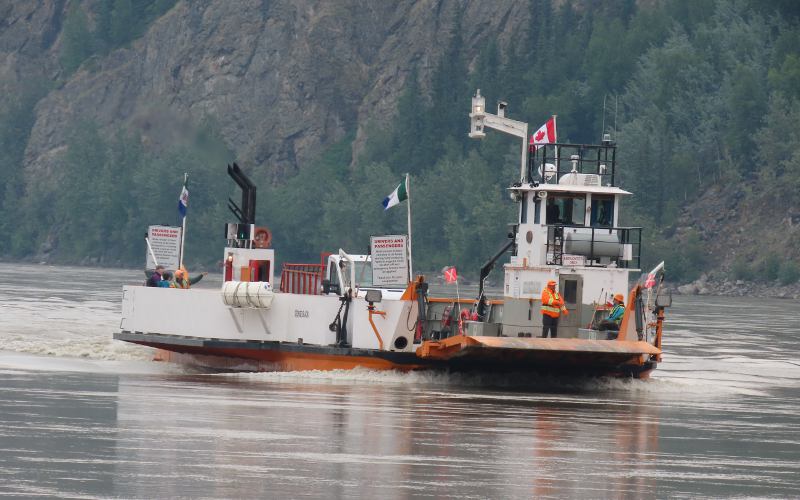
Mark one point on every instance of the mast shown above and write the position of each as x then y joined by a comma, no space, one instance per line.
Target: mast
183,224
408,213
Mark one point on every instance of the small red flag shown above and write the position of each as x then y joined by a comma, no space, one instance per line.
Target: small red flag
450,274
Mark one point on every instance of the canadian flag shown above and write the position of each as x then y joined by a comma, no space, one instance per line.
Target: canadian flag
450,274
545,135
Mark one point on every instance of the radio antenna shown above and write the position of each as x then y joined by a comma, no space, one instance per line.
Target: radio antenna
603,129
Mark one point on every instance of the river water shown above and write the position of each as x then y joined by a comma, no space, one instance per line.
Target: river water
84,416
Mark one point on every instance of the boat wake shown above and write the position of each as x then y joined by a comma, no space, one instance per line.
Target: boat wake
500,381
92,348
667,383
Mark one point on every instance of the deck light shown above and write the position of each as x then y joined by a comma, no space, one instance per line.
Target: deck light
477,116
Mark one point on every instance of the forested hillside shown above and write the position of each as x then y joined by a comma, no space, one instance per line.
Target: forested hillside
702,97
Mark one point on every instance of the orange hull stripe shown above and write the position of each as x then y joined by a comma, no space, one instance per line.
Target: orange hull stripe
273,360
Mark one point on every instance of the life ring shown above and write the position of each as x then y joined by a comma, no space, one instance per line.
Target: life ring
262,238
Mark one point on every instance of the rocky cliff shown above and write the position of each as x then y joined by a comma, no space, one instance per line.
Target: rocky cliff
281,79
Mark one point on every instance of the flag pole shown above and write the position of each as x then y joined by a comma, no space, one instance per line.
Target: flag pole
150,249
408,212
458,309
555,127
183,223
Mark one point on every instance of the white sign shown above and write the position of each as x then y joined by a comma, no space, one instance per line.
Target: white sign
166,244
572,260
389,260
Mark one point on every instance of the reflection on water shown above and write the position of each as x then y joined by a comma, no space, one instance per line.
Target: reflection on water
97,419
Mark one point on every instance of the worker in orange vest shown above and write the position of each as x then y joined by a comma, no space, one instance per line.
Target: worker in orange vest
182,279
552,307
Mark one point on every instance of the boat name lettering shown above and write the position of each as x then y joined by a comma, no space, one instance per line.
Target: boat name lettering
300,313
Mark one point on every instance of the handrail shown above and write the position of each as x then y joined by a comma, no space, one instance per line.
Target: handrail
372,311
300,281
632,236
590,159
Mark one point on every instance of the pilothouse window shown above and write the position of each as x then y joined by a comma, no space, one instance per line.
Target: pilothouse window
566,209
602,211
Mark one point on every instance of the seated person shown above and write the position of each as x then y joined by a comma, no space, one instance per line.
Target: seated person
612,323
166,281
154,278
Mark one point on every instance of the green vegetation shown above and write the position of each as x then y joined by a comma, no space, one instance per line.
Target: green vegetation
708,93
789,273
116,23
97,206
742,270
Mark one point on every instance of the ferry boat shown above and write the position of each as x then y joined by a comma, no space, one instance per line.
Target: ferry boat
332,315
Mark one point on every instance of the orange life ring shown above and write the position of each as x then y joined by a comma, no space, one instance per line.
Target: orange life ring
262,238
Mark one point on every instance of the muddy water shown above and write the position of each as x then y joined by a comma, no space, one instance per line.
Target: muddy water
84,416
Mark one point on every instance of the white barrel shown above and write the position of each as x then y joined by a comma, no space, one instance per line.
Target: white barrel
256,294
580,242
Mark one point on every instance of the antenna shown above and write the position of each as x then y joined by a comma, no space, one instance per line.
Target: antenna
616,108
603,129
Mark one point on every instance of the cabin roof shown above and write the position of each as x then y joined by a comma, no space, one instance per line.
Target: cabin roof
571,188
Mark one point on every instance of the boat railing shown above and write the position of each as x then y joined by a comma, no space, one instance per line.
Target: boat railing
571,245
596,163
305,279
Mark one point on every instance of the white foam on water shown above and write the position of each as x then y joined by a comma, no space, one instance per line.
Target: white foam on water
16,363
433,378
669,385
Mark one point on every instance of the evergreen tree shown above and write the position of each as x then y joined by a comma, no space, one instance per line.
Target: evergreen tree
78,41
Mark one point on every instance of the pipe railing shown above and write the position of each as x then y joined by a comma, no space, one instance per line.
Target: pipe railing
304,279
599,246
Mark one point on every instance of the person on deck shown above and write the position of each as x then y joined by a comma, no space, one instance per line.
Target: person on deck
155,278
166,281
612,323
182,279
552,307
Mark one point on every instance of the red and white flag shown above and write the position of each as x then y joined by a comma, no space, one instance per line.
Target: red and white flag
545,135
450,275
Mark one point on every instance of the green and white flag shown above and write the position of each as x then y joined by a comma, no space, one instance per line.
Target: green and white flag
399,194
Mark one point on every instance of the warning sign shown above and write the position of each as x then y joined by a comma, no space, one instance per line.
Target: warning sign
389,260
166,244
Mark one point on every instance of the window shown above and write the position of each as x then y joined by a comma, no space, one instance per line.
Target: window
524,214
364,274
602,211
334,276
567,209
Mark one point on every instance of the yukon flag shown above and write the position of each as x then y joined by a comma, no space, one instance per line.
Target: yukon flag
399,194
545,135
183,201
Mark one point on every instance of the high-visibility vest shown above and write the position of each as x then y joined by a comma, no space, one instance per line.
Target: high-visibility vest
552,304
618,309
